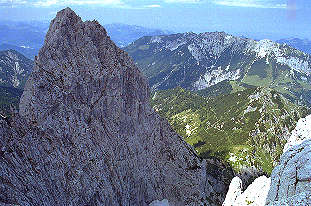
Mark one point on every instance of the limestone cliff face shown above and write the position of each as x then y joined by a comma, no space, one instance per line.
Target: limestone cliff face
301,133
254,195
86,135
291,179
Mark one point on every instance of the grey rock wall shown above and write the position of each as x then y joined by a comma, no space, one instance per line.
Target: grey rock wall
85,133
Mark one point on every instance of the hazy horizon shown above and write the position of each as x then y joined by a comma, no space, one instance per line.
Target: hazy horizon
258,19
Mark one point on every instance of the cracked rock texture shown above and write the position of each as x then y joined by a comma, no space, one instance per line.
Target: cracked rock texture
254,195
291,180
85,133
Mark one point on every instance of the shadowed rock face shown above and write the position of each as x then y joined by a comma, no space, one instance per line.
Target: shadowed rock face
86,135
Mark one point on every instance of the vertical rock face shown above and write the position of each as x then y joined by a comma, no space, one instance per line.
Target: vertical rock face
86,134
301,133
291,180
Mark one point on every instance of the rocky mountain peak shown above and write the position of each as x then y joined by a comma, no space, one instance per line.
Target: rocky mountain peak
74,52
85,133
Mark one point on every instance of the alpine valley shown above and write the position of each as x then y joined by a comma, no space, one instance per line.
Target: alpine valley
248,129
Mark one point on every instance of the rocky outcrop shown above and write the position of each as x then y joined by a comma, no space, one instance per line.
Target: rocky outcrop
301,133
254,195
85,133
235,190
291,180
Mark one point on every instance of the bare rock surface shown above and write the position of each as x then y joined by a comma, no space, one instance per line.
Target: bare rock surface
235,190
301,133
291,180
254,195
85,133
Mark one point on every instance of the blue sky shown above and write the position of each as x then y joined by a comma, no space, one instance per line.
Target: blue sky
259,19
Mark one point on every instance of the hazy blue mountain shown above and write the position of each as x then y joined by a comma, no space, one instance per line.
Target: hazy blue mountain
123,34
29,35
301,44
199,61
30,53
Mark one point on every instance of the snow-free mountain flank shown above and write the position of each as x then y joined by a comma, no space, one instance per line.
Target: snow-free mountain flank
198,61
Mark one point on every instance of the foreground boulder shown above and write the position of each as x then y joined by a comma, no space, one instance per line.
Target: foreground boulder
254,195
85,133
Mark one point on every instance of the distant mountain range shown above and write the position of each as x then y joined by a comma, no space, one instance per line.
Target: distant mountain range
301,44
198,61
123,34
30,53
28,37
25,37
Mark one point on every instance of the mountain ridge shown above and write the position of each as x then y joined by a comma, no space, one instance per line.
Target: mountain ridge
198,61
14,69
301,44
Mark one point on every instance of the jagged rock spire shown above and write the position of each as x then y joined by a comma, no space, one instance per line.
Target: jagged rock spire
86,134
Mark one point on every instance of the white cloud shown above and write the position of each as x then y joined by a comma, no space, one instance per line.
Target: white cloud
252,3
48,3
182,1
153,6
12,3
45,3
